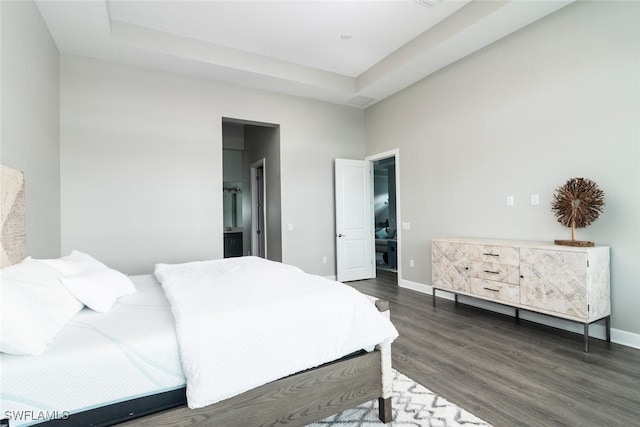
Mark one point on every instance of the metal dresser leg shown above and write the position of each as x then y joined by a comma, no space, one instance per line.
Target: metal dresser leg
586,338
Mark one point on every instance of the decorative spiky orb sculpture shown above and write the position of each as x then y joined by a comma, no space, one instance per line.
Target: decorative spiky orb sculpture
577,204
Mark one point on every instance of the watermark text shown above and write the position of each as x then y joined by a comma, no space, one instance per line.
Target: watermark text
36,415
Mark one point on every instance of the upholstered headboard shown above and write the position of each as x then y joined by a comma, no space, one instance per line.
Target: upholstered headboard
13,235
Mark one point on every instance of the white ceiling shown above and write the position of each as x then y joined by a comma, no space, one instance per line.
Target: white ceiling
294,46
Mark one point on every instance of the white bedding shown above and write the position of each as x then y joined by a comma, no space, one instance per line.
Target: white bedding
243,322
132,351
96,359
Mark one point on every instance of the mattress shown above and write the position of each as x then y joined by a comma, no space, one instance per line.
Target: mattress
95,360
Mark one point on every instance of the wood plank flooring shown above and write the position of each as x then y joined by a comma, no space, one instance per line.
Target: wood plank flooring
508,373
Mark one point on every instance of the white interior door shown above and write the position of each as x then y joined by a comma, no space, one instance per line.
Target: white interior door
354,220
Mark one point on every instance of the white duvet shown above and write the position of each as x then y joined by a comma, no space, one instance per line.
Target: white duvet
243,322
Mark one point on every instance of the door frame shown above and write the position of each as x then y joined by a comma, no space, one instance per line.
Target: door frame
255,243
395,153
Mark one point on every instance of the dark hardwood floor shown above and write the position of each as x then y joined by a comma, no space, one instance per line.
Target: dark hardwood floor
508,373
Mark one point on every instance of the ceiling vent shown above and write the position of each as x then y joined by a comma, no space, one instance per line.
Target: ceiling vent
360,101
429,3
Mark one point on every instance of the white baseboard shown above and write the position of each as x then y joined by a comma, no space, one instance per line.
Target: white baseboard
625,338
596,330
415,286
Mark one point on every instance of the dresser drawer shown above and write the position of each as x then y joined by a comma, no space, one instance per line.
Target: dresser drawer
494,271
507,255
489,289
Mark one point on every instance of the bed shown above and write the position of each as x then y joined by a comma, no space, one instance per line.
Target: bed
101,370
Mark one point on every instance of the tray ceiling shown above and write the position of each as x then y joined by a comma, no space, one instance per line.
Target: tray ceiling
353,52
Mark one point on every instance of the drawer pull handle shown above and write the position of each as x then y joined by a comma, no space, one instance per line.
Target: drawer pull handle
492,290
488,254
492,272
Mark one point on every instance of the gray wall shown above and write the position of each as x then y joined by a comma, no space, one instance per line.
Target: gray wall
141,165
264,143
30,120
135,176
556,100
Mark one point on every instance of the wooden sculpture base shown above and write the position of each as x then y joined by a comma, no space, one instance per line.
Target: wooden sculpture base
581,243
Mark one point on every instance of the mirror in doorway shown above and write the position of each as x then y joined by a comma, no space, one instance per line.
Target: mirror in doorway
232,205
384,191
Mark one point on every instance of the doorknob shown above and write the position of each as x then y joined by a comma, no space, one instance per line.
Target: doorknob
342,235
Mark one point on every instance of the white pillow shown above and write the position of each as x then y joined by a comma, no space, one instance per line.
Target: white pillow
34,307
75,263
99,289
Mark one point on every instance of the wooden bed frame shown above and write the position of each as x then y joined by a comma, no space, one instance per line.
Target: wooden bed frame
296,400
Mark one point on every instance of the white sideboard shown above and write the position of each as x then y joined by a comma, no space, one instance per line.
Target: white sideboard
563,281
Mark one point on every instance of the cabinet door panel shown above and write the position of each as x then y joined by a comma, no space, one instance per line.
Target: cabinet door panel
449,266
554,280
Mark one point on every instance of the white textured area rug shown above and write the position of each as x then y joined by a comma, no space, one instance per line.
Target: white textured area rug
413,405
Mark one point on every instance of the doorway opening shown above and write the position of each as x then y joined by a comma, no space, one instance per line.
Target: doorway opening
356,226
386,206
248,146
384,210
